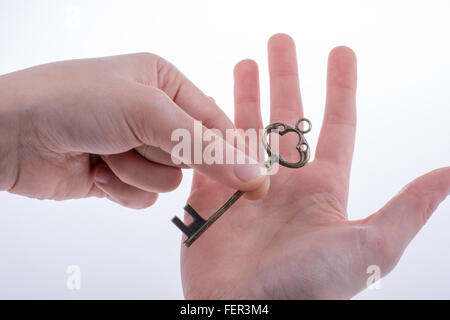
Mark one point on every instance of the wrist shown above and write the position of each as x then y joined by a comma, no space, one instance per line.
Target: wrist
9,134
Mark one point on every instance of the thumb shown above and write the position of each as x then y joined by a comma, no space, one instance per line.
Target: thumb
158,121
404,215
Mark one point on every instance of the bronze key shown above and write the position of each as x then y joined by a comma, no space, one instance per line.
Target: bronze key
199,225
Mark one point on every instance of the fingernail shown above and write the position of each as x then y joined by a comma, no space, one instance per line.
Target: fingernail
247,171
102,174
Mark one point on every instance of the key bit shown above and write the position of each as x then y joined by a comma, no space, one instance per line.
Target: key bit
200,225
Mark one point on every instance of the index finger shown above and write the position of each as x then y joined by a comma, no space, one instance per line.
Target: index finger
190,98
156,120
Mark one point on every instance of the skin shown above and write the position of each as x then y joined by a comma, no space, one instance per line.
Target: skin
297,243
102,127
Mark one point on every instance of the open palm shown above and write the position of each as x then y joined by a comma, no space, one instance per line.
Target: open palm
297,241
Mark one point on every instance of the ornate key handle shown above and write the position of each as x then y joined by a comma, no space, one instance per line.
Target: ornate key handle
199,225
302,145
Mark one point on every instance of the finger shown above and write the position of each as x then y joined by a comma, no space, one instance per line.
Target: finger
134,170
337,136
199,180
200,106
402,217
247,113
285,99
156,120
157,155
191,99
120,192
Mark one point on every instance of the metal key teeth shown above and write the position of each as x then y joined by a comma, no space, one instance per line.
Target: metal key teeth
189,230
200,225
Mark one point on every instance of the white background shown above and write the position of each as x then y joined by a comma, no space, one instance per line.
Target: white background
403,128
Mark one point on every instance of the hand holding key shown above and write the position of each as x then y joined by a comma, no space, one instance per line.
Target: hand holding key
102,127
199,225
297,241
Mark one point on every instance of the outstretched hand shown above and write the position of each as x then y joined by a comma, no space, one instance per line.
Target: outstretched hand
297,242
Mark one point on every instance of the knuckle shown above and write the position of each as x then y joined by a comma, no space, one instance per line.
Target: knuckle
144,112
422,200
146,56
170,80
